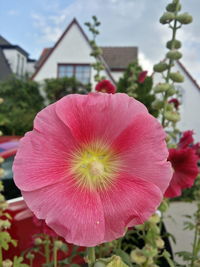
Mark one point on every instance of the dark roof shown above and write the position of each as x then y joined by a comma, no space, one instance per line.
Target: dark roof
45,53
31,60
5,71
3,41
16,47
119,57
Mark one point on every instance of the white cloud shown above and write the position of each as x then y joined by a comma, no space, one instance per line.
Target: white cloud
13,12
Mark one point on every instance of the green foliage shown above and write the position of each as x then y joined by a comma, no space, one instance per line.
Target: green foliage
21,103
18,262
96,51
141,91
57,88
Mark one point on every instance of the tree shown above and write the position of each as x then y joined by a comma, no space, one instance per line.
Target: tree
22,101
137,84
57,88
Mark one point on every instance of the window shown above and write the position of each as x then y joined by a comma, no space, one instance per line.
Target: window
80,72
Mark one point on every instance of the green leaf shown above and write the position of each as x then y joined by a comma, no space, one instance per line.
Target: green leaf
125,257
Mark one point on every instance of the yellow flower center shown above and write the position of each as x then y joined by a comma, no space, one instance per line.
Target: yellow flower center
95,166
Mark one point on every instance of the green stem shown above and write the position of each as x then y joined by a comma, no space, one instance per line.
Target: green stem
47,249
91,256
55,258
194,252
174,29
1,257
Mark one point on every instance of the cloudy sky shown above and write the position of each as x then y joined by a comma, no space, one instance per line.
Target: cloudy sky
35,24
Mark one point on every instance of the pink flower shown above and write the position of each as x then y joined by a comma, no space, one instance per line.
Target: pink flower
26,213
92,166
184,163
186,139
142,76
175,102
105,86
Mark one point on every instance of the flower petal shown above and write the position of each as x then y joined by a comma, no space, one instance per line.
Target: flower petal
74,213
45,151
129,202
98,116
184,162
142,148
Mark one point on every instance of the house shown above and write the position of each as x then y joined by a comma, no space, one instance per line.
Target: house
70,56
14,60
189,98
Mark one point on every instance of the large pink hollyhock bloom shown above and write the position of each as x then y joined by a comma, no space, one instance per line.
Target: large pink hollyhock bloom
184,163
92,166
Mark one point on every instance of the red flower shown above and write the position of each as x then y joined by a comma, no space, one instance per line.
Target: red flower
196,147
43,227
142,76
105,86
92,166
175,102
184,163
186,139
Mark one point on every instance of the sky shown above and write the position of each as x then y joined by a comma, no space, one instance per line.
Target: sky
36,24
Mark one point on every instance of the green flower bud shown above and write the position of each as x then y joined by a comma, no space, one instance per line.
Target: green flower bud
172,116
99,264
176,77
140,227
171,91
162,87
173,7
149,251
38,241
30,256
157,104
2,198
5,224
1,100
116,262
167,138
184,18
155,218
137,256
173,44
160,67
167,17
160,243
7,263
58,244
174,54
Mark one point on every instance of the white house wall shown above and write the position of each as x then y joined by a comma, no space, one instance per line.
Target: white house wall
12,56
73,48
117,75
190,106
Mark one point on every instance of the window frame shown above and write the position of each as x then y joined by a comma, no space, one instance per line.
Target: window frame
74,66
